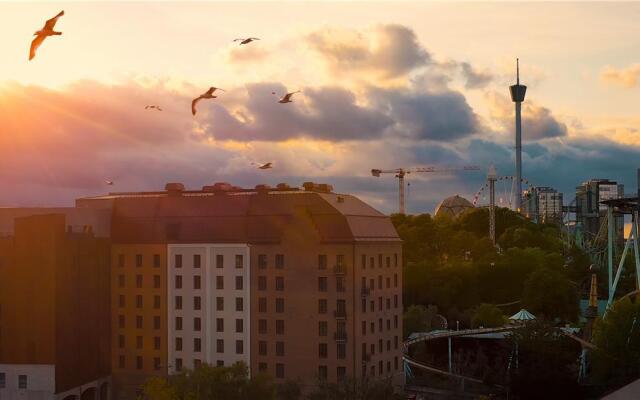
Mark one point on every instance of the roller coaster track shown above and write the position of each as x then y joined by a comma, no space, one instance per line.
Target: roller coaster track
425,367
464,332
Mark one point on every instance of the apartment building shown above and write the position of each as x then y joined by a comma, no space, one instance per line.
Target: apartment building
300,284
54,304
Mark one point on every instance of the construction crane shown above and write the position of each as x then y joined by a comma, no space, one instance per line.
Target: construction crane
400,173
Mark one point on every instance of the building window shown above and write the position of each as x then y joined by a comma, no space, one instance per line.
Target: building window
239,347
178,344
239,325
372,327
364,305
322,350
364,261
322,283
388,282
178,364
395,301
121,341
380,367
262,261
138,321
395,321
340,260
322,306
340,284
178,260
220,303
219,325
121,281
280,371
219,346
197,345
280,349
262,368
197,324
341,372
138,342
139,362
121,322
372,284
139,301
121,301
380,348
279,283
156,363
178,302
239,304
279,327
395,342
388,262
372,263
262,348
379,281
178,281
196,282
279,261
379,324
220,282
138,260
364,328
262,283
262,304
178,323
388,345
156,301
342,351
156,281
121,362
388,301
239,260
219,261
156,322
341,307
395,280
196,261
156,342
395,259
238,282
372,306
156,260
388,324
322,372
379,260
262,326
279,305
120,260
323,328
395,363
380,303
322,261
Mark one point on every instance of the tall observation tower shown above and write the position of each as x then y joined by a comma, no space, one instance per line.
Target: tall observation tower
517,96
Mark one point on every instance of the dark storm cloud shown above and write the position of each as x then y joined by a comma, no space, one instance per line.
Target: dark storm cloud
395,53
539,123
474,79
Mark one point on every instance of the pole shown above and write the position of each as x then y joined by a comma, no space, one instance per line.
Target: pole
450,358
401,190
492,204
636,252
610,246
518,193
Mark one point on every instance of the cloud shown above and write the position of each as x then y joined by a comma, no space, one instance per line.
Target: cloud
387,51
475,79
247,54
625,77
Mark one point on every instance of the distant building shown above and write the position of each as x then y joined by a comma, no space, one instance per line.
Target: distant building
590,213
453,206
54,304
543,204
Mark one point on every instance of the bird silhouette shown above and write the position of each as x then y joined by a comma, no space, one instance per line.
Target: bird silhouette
263,166
287,97
206,95
42,34
246,41
153,107
110,183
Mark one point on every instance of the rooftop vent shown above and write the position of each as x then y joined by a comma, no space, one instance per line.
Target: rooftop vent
174,188
317,187
263,188
219,187
283,186
340,199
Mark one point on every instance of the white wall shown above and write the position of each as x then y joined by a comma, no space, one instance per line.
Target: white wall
208,313
40,381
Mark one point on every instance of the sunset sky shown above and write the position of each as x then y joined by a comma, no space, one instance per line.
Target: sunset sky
384,85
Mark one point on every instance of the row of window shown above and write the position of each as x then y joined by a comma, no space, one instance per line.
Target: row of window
197,261
372,325
239,281
263,261
139,281
279,283
323,285
262,327
139,260
22,381
262,348
139,322
372,304
372,347
262,304
262,368
372,369
341,350
157,342
372,263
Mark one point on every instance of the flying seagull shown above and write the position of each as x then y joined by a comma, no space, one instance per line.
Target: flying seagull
153,107
42,34
246,41
263,166
110,183
287,97
206,95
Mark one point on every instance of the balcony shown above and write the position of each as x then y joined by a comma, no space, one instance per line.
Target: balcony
339,269
365,292
340,314
340,337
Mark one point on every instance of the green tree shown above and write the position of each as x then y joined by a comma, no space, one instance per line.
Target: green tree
355,389
417,319
549,294
487,316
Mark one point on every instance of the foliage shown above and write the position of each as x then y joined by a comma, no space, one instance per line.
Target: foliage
488,316
617,337
358,389
549,294
418,318
544,363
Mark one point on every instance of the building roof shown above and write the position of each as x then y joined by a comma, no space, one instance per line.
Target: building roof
76,219
453,206
522,315
235,215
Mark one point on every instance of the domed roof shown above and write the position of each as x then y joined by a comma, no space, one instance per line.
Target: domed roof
453,206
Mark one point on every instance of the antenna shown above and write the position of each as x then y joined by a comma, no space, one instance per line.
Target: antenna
517,71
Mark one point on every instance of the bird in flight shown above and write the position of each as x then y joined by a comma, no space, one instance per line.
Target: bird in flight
246,41
110,183
43,33
287,97
206,95
153,107
263,166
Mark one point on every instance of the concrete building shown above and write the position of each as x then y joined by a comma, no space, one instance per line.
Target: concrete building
590,213
543,204
54,304
298,284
